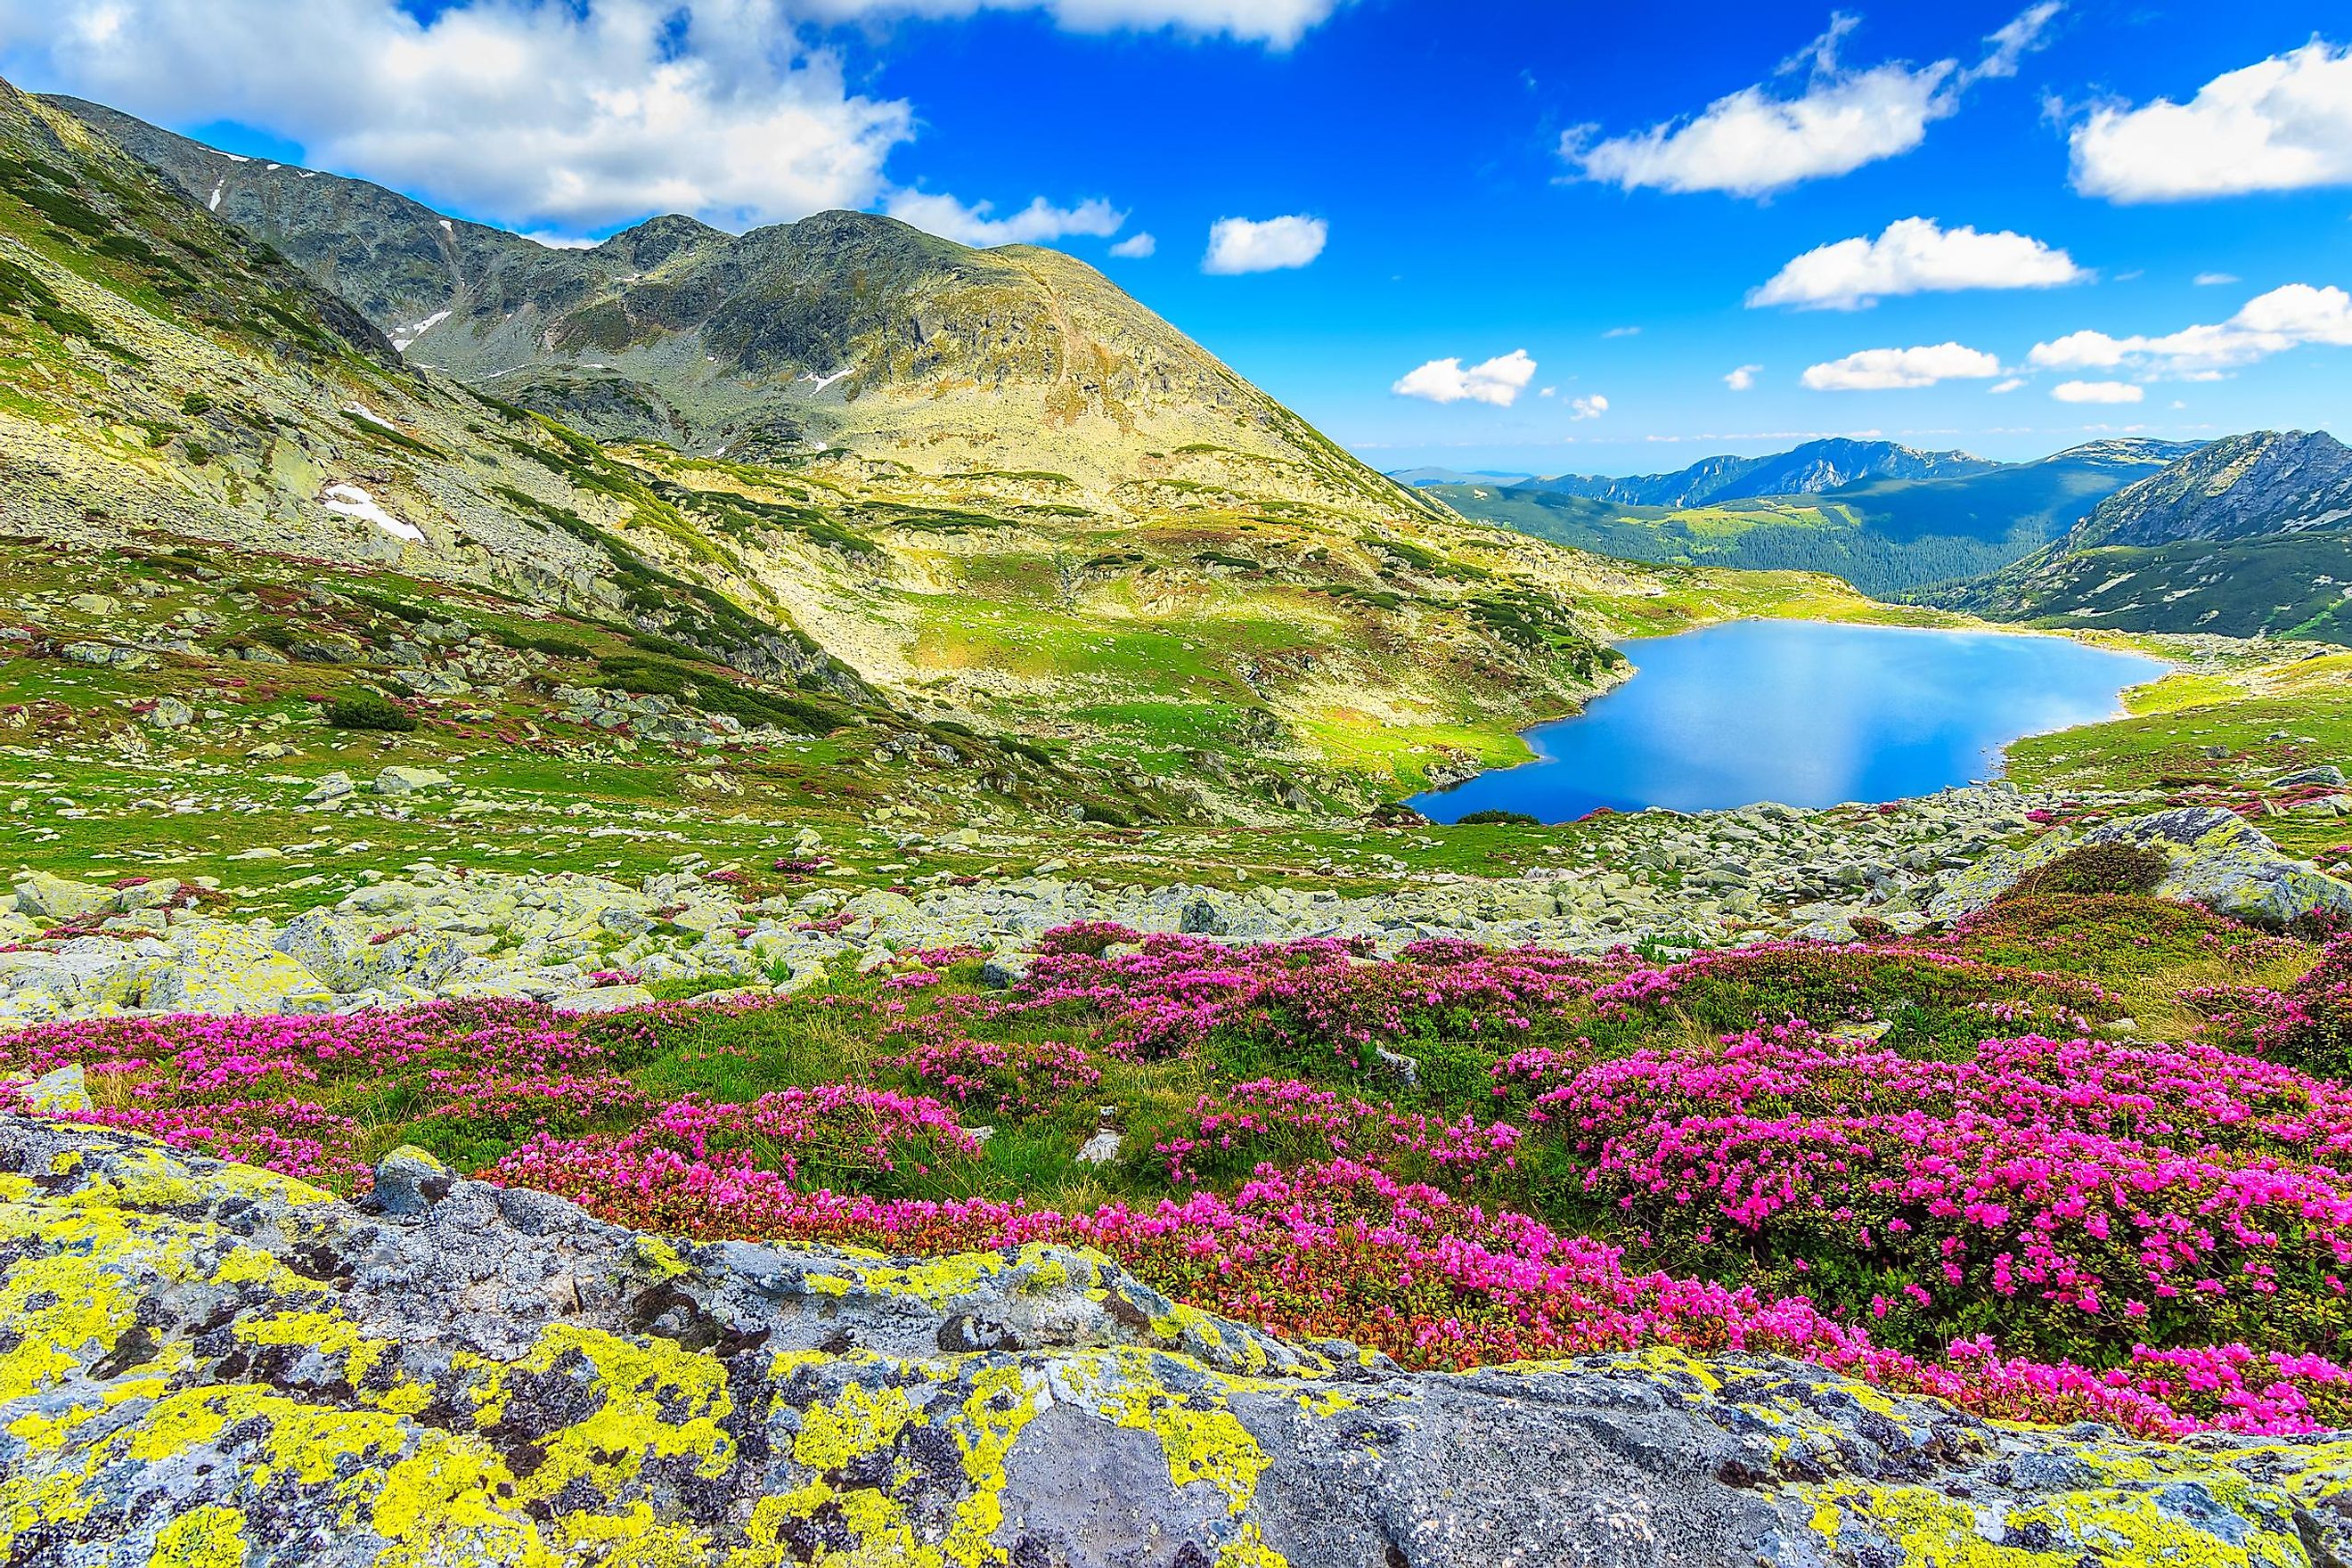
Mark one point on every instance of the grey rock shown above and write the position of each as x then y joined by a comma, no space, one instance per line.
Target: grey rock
399,780
714,1391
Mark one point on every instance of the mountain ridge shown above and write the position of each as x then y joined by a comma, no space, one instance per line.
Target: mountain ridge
2247,536
843,330
1804,470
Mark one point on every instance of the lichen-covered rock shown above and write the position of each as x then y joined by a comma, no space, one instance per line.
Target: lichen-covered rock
2218,859
48,897
222,969
2223,862
207,1363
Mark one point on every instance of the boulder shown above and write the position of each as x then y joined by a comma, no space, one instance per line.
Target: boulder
2223,862
50,898
347,956
334,787
2219,859
219,968
469,1375
168,713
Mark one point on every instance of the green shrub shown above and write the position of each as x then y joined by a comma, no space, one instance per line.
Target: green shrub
1496,819
368,710
2093,869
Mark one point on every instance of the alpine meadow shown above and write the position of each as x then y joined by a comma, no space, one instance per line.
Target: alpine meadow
1174,784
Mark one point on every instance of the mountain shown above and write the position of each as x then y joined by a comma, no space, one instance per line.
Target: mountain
2250,535
1885,534
1012,581
844,330
1808,469
2242,487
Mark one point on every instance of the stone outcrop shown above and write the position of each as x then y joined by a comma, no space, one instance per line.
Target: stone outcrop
207,1363
2218,859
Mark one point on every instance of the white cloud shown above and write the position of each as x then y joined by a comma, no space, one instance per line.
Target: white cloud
1280,23
1623,332
1136,246
2211,280
1592,407
1263,245
1498,381
2280,124
1034,225
1879,370
1741,379
1755,142
2269,323
560,117
2012,385
1915,256
536,113
2097,391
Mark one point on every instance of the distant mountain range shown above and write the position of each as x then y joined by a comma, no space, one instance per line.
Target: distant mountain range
1808,469
2249,535
1887,518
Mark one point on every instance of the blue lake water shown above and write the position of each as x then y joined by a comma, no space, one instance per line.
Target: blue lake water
1805,713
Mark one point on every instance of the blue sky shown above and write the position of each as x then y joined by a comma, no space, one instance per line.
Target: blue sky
1484,185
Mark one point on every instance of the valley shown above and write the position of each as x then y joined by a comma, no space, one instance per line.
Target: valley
721,900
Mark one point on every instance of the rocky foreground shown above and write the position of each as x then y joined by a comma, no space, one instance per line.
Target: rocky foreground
584,942
212,1364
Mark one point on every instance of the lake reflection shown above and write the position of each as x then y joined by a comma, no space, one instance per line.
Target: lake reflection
1805,713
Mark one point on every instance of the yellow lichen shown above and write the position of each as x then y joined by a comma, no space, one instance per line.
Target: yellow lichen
207,1537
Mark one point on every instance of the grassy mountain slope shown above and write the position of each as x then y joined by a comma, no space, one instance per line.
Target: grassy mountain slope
1239,627
1885,534
2248,536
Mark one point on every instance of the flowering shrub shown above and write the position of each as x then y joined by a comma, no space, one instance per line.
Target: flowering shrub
1985,1204
1007,1079
2081,1198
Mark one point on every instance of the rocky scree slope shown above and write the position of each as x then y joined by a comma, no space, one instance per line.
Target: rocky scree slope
2250,535
595,943
212,1364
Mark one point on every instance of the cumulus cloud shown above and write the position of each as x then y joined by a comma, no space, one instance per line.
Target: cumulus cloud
1263,245
558,114
1498,381
1136,246
560,117
1034,225
2280,124
1592,407
1915,256
1880,370
1759,139
2269,323
1741,379
2097,391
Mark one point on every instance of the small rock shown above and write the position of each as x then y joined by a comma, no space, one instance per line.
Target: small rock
1099,1149
398,779
334,787
408,1182
61,1094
